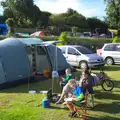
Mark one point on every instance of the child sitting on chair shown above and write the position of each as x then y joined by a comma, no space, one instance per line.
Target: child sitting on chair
66,92
86,82
76,99
65,80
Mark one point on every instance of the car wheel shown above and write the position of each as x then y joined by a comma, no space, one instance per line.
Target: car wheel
109,61
83,65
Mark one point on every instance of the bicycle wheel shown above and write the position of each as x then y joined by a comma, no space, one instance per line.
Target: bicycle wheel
107,85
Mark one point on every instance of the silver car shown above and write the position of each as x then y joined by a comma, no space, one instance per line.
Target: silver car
80,56
111,53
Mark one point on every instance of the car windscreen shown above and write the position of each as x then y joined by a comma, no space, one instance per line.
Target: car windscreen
84,50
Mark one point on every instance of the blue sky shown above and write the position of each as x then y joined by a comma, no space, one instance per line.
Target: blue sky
89,8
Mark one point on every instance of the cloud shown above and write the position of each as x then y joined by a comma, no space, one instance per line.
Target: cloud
60,6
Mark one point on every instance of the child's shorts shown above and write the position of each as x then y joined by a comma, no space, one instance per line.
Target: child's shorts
90,90
77,103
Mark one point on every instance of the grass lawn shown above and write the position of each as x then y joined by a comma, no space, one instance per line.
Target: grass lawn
17,104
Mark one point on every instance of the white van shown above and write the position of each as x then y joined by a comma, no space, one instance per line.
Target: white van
111,53
80,56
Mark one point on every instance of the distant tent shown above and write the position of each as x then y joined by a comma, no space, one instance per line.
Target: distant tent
20,57
40,33
3,29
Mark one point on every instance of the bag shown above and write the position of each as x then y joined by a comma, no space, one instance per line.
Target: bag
52,97
95,79
55,74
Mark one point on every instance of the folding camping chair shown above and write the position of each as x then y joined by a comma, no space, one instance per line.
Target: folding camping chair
82,109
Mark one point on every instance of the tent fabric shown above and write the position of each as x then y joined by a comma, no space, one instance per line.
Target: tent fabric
15,62
29,41
61,61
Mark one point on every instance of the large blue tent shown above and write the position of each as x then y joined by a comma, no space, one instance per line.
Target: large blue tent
20,56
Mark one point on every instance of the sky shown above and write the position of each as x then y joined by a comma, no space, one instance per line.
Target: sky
88,8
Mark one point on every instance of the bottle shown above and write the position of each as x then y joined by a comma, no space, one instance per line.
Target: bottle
55,74
45,103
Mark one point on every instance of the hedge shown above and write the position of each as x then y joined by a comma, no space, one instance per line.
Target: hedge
92,43
88,42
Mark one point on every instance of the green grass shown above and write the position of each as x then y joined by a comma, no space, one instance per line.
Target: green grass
17,104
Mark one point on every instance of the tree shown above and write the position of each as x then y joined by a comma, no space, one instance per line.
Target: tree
10,5
58,20
63,37
96,23
65,21
45,18
74,30
97,30
28,10
36,16
10,23
71,12
24,12
113,12
77,20
115,40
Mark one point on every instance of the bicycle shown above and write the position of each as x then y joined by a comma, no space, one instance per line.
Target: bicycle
104,81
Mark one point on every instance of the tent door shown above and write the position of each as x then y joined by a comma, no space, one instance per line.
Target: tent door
2,73
42,60
31,50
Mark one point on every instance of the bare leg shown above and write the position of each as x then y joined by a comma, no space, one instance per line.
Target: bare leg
70,106
92,100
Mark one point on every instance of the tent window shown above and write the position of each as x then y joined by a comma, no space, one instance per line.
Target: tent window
28,48
41,51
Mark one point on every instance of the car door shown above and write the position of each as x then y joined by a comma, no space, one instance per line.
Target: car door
71,56
117,53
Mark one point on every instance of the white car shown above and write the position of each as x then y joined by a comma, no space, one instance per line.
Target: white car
111,53
80,56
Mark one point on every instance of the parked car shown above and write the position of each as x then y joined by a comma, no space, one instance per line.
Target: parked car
110,53
80,56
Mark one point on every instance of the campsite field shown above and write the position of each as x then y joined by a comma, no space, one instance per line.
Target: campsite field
17,104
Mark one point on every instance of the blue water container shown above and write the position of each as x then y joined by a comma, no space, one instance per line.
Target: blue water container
45,103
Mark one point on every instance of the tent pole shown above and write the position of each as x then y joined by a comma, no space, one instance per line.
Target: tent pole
55,68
